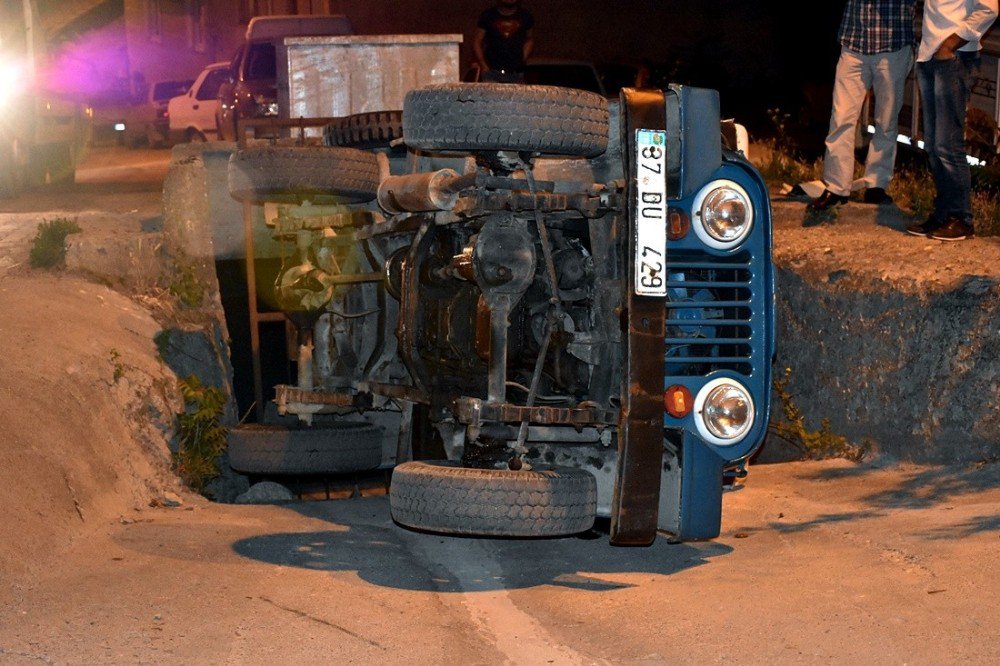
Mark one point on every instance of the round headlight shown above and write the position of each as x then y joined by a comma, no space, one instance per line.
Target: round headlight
725,411
725,214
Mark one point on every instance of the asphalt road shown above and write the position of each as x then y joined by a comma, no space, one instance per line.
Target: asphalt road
108,179
818,563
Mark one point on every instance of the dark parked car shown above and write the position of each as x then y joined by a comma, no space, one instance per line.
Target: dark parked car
251,89
156,118
577,74
567,300
606,79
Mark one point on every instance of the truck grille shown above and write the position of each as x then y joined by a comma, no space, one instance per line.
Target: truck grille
709,312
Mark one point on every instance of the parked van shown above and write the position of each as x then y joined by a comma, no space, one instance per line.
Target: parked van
251,89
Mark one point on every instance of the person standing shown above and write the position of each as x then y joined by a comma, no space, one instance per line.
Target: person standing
876,38
503,41
947,58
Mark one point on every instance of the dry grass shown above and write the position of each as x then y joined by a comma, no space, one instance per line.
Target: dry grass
779,166
912,189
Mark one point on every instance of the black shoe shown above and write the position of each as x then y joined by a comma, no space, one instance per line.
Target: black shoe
953,229
877,195
826,201
923,228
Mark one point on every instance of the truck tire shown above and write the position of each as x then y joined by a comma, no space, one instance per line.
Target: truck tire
344,446
365,130
497,116
295,174
442,496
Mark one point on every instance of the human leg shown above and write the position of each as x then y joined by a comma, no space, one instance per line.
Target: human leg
888,72
929,82
849,90
952,79
926,83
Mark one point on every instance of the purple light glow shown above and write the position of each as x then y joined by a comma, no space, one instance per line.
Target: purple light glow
93,68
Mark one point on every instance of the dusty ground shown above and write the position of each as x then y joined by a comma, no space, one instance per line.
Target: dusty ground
866,247
818,562
83,398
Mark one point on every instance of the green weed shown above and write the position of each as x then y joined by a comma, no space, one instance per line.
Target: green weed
815,444
812,218
48,249
186,285
779,166
986,213
202,437
780,160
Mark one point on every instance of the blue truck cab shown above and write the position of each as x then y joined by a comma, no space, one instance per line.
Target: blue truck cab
719,324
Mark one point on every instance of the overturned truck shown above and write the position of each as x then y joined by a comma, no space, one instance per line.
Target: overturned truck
568,300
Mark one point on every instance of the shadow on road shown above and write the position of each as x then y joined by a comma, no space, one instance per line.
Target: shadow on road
923,488
390,556
919,488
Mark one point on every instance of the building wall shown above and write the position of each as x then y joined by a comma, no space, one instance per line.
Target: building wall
169,39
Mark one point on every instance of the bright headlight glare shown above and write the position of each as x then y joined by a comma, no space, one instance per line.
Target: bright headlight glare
265,106
725,214
269,109
11,81
725,411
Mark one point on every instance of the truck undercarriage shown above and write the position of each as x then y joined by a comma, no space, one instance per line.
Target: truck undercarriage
504,272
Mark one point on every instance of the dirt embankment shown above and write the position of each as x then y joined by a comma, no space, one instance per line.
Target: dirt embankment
86,412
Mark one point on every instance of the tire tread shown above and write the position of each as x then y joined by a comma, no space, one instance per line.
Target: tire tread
286,173
488,116
267,449
375,129
444,497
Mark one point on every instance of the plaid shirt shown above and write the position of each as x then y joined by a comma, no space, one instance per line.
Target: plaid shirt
877,26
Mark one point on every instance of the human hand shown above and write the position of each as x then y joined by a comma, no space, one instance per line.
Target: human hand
948,47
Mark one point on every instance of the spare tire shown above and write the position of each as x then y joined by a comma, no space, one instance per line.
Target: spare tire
376,129
442,496
292,174
331,448
498,116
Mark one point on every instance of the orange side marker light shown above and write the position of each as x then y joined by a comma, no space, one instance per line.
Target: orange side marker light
678,401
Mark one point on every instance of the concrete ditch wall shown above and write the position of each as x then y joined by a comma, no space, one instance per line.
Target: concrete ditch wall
197,344
893,338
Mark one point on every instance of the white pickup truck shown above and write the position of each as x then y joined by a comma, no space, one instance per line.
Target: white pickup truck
193,114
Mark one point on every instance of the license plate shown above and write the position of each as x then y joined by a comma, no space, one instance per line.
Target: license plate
650,209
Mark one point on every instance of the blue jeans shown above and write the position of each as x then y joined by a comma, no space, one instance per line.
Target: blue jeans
944,93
